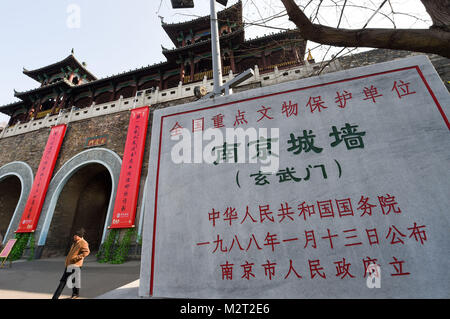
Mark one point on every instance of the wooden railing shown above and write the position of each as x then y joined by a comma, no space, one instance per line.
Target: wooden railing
44,113
279,65
201,75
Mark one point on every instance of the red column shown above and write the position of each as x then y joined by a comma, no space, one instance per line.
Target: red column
182,72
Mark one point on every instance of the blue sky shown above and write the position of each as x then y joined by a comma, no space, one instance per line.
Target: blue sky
114,35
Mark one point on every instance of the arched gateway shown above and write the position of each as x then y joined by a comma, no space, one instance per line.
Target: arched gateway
81,194
16,179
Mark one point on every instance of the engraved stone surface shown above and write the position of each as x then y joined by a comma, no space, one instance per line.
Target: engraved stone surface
361,191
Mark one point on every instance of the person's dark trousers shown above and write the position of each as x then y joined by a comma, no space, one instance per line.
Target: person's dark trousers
62,284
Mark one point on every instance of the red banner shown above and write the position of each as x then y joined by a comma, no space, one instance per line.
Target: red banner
30,216
130,173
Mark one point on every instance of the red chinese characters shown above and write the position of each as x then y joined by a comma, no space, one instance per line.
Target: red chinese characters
198,124
336,208
130,173
42,179
371,93
341,99
285,109
315,103
289,108
264,113
331,239
312,239
402,89
272,269
176,130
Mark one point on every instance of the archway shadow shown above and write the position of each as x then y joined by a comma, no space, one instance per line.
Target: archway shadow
83,203
84,176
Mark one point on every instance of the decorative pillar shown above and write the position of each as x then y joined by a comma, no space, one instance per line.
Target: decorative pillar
268,60
113,93
160,86
182,72
192,69
55,105
264,61
232,63
63,101
29,113
70,101
296,55
36,108
71,77
91,98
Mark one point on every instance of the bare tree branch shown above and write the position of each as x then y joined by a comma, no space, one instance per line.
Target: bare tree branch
342,13
439,12
421,40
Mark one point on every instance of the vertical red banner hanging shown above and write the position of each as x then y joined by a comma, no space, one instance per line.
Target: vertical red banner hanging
30,215
130,173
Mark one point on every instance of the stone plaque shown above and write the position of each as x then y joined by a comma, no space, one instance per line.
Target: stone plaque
335,186
96,141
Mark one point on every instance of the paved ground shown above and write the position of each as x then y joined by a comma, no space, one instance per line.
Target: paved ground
39,278
128,291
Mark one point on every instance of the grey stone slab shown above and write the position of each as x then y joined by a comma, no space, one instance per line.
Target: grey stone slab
405,158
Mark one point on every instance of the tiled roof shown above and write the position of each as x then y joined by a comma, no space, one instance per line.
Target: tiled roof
173,29
71,58
45,87
237,5
199,43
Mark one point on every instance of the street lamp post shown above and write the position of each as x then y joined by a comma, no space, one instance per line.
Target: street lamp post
215,49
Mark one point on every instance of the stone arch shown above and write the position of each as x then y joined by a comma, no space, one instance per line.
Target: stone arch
105,157
24,173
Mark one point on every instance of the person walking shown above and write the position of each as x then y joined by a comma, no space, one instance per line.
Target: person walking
78,251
